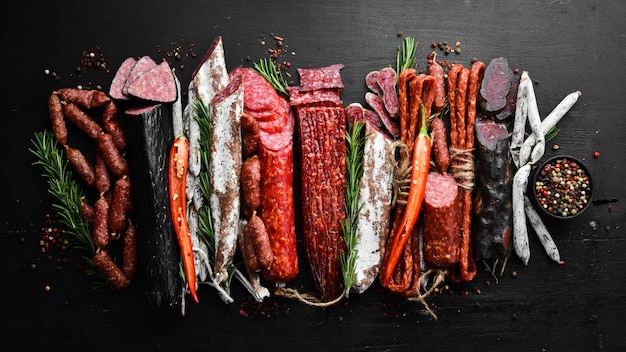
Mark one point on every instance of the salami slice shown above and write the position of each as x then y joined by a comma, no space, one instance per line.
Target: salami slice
142,65
323,97
321,78
119,80
376,103
157,84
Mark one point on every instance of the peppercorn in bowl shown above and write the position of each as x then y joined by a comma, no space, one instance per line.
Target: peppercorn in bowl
561,187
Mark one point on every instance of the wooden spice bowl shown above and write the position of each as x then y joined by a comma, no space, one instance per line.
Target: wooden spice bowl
561,187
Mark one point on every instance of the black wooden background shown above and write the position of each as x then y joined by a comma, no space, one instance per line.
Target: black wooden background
565,45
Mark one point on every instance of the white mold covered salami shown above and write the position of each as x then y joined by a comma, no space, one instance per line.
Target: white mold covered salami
376,195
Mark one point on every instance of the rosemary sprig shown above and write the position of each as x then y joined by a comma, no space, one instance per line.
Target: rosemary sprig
406,54
267,69
64,188
205,226
354,159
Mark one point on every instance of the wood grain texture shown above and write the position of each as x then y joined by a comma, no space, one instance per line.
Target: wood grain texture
565,45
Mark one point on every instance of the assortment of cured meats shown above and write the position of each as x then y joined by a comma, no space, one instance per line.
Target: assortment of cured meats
420,210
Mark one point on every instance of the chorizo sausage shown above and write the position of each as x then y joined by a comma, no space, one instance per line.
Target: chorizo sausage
114,275
129,252
119,204
440,144
114,159
251,182
57,119
85,98
249,134
436,71
103,177
82,166
256,231
100,231
112,125
83,121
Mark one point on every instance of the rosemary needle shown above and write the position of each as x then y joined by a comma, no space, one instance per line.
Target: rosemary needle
269,71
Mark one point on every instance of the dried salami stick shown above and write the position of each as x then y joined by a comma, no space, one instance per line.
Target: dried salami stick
405,77
452,86
436,71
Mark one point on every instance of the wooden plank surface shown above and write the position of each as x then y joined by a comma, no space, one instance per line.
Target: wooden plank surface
565,45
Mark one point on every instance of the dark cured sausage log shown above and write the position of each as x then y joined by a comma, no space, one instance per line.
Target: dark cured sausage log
495,87
151,136
57,119
492,221
323,170
441,221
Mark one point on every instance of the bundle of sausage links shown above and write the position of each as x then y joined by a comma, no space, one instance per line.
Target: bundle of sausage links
109,215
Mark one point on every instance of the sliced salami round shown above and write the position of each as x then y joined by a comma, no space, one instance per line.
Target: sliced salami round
142,65
157,84
120,79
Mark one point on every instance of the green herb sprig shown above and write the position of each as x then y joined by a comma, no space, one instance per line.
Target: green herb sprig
269,71
205,226
406,54
66,191
354,159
